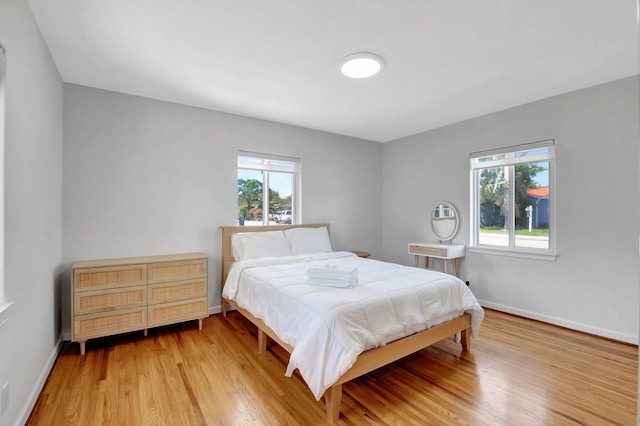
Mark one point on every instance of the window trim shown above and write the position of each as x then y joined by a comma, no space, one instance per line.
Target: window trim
296,193
512,161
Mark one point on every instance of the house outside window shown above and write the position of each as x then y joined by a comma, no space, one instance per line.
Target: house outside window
512,200
268,189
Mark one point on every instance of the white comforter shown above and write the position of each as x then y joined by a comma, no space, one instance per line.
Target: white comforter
329,327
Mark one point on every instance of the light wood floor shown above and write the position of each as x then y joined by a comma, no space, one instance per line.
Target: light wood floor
519,372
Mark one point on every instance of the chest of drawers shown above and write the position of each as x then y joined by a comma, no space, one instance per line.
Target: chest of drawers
112,296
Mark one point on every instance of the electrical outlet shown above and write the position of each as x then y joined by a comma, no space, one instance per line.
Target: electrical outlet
5,398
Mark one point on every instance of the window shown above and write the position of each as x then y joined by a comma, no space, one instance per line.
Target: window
268,189
513,199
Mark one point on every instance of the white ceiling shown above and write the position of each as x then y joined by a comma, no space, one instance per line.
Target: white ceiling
278,60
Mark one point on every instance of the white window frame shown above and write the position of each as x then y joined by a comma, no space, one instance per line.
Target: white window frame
267,165
511,160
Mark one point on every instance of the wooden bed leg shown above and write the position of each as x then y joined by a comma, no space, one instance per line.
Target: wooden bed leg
333,398
223,307
465,339
262,341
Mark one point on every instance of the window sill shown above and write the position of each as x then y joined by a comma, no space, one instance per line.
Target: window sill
537,255
4,312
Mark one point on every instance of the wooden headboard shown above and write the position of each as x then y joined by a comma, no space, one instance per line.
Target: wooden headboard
230,231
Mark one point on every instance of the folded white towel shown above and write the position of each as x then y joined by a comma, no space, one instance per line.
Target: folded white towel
331,276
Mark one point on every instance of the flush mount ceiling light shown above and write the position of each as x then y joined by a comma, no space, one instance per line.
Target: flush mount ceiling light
361,65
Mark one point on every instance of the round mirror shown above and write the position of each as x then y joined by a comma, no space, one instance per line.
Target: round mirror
444,221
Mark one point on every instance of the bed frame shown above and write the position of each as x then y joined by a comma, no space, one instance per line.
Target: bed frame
367,361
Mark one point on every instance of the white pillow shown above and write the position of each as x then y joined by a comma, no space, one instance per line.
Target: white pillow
308,240
259,244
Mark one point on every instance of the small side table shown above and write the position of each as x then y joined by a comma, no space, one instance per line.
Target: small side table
363,254
446,252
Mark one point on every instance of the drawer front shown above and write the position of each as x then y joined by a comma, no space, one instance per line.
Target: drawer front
168,313
88,279
180,290
427,251
106,324
177,271
86,302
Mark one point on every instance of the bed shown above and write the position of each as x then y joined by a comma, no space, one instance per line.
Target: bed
337,333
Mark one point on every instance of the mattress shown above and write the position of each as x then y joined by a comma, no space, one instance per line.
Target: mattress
330,327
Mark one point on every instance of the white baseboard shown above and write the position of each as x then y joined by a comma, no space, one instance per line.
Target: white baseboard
217,309
39,385
573,325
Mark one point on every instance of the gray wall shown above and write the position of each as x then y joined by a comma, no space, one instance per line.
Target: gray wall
145,177
32,172
136,176
593,284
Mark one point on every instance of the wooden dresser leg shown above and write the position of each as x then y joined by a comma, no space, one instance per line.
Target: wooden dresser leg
333,398
82,347
200,324
465,339
456,264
